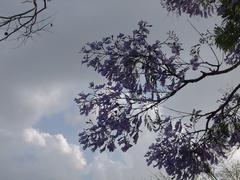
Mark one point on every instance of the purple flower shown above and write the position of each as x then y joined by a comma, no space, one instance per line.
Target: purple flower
191,7
194,62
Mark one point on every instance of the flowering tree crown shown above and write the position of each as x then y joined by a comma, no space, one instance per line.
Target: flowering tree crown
141,76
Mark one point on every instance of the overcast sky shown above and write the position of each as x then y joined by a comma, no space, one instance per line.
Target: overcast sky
39,121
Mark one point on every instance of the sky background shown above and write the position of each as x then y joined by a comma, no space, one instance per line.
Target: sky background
39,121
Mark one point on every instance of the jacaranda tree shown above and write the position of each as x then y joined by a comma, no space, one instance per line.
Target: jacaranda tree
141,76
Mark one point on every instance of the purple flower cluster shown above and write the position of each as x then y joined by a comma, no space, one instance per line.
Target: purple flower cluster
139,77
203,8
177,152
137,73
114,123
233,57
194,62
185,153
138,66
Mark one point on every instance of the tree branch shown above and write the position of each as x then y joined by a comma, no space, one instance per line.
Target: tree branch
25,21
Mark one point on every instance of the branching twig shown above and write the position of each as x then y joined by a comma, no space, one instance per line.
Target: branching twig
25,23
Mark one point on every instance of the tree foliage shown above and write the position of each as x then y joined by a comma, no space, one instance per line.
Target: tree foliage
141,76
228,34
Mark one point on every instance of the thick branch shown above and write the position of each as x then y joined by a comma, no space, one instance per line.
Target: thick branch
213,73
222,106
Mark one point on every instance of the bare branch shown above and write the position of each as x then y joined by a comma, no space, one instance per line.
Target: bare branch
26,23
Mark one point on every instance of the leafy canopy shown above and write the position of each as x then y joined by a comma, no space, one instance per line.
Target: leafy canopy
142,76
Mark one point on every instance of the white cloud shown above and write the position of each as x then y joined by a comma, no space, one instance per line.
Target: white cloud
56,142
130,165
34,137
46,156
40,156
